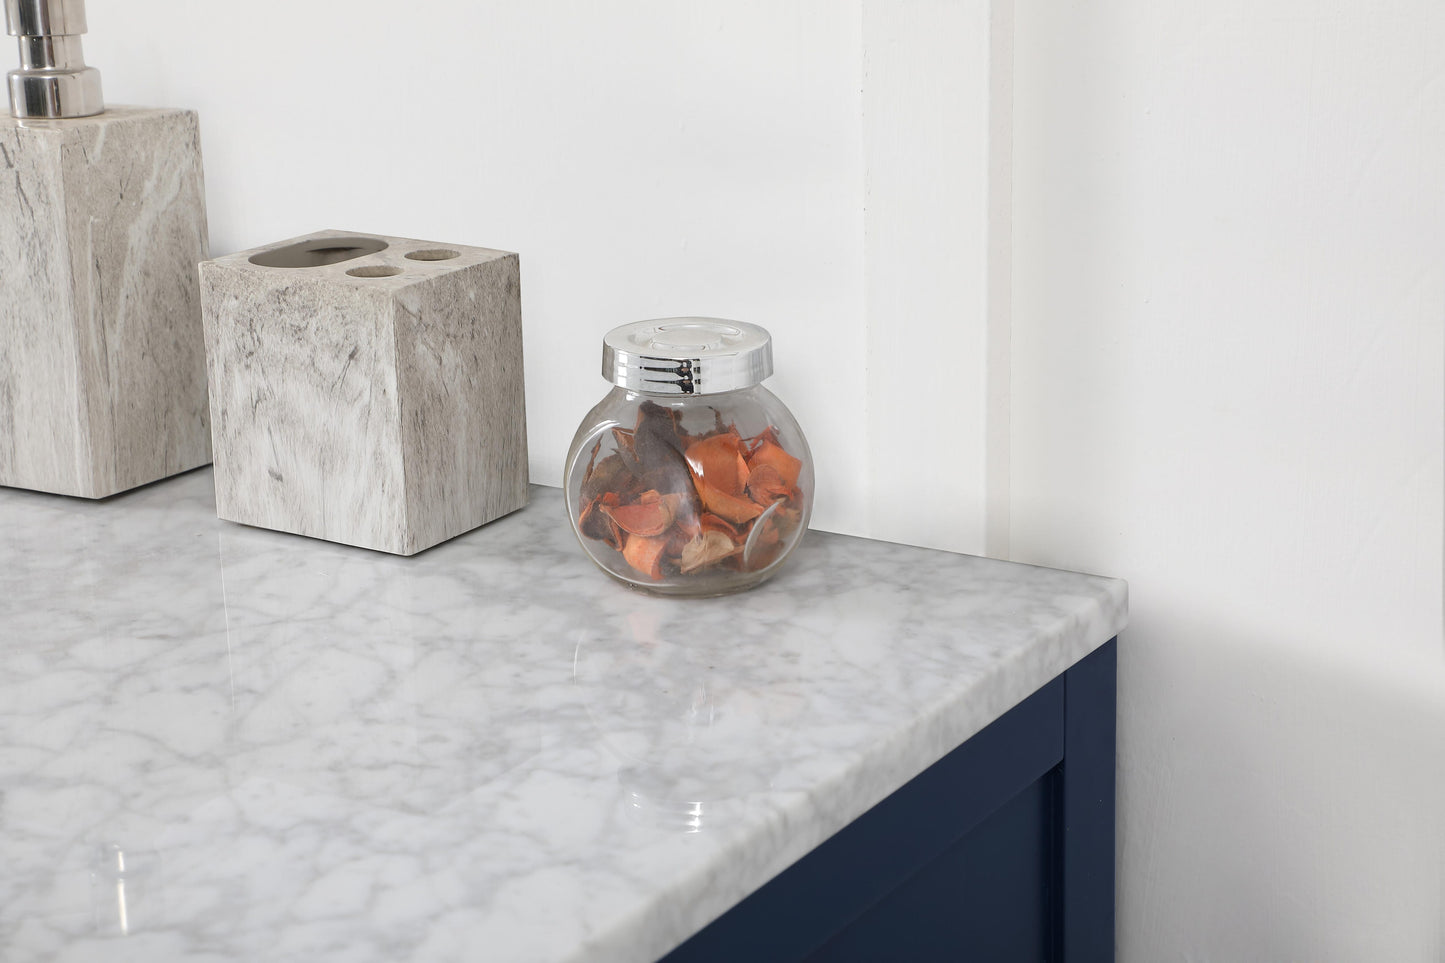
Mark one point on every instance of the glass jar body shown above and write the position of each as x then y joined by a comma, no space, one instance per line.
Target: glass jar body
690,495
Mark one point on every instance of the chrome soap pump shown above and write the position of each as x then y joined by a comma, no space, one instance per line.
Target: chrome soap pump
53,80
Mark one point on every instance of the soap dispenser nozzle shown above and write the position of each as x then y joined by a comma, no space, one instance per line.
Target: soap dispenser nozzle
53,80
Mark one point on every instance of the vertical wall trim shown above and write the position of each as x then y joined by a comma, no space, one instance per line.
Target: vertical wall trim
926,168
998,453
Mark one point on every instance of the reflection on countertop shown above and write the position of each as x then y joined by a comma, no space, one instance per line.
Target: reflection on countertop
219,742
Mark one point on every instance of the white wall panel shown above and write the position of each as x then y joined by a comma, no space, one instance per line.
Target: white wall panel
646,159
1161,297
927,148
1229,388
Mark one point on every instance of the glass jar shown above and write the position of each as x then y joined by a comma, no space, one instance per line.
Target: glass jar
689,477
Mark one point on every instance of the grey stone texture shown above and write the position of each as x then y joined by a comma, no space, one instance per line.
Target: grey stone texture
102,359
383,410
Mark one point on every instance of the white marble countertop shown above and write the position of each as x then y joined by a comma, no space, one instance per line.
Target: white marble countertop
221,743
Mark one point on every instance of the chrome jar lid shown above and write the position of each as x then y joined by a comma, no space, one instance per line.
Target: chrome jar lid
685,356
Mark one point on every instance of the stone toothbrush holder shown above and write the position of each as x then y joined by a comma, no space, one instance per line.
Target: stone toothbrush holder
366,389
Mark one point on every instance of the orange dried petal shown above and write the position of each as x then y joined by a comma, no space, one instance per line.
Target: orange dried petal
718,459
772,454
711,523
645,554
731,507
765,485
646,518
756,441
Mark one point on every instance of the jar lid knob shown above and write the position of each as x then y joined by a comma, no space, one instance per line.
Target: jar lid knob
683,356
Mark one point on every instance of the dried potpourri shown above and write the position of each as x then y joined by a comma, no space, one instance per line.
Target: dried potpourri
678,503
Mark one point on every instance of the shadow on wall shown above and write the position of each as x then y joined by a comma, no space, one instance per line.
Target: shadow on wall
1317,788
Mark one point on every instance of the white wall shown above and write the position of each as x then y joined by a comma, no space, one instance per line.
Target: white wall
646,159
1228,343
1208,358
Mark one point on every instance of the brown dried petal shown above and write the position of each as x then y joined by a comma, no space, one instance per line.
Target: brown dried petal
594,522
684,512
611,474
656,441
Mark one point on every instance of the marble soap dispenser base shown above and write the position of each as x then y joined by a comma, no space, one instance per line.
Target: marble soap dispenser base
102,360
366,389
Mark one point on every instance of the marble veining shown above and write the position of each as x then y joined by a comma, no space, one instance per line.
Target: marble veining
102,360
384,410
220,743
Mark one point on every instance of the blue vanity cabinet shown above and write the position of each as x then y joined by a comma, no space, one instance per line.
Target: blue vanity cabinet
1002,850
